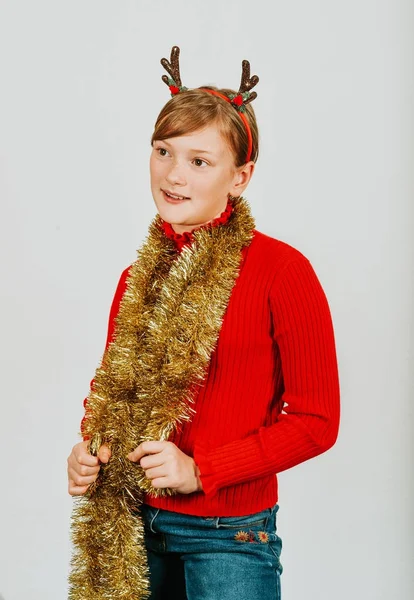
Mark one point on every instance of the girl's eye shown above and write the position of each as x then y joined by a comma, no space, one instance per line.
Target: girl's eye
162,151
198,161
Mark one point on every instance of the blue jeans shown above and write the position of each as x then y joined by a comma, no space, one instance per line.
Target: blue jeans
212,558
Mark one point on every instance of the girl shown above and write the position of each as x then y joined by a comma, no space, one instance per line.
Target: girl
220,371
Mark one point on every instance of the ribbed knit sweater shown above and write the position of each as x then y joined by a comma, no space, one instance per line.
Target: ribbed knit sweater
271,396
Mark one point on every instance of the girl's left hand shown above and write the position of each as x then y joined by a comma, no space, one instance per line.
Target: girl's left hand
167,466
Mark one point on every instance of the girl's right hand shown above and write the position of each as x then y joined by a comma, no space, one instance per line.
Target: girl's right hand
83,468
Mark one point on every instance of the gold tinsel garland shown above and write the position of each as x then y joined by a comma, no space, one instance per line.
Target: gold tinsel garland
167,327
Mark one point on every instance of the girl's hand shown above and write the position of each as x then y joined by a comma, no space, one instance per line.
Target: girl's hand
83,468
167,466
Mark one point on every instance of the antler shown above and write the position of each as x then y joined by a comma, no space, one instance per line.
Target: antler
247,82
172,67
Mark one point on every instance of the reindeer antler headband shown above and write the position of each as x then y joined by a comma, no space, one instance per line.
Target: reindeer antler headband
239,100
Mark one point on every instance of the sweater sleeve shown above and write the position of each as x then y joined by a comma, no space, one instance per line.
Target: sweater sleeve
309,421
119,292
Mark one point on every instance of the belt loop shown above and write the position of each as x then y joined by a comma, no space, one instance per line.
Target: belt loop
269,516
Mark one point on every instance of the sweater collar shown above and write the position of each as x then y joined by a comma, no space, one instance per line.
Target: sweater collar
182,239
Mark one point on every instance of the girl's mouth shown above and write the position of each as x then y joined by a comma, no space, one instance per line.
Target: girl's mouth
173,199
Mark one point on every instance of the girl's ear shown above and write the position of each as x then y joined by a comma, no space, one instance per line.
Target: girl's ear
242,178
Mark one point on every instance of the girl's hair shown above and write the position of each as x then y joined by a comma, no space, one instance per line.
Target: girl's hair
192,110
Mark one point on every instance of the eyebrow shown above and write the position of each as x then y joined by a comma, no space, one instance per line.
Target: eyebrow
200,151
197,151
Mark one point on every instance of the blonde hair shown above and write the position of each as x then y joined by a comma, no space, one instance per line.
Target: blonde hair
192,110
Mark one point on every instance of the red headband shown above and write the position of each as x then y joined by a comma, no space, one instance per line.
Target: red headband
239,100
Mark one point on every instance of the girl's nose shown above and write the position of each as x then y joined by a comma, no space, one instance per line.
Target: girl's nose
176,176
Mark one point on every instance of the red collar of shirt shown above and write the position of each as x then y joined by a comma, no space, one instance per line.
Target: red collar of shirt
181,239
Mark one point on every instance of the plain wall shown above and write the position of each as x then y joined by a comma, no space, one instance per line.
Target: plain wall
80,90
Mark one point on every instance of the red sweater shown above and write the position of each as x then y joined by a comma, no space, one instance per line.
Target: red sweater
271,396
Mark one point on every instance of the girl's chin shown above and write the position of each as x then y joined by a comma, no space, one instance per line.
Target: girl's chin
173,211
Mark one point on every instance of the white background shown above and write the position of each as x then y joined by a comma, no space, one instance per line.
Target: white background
80,90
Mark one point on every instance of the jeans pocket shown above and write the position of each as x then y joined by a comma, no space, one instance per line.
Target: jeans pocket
275,547
258,519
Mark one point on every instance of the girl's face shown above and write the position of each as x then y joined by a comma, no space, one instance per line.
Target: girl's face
199,168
